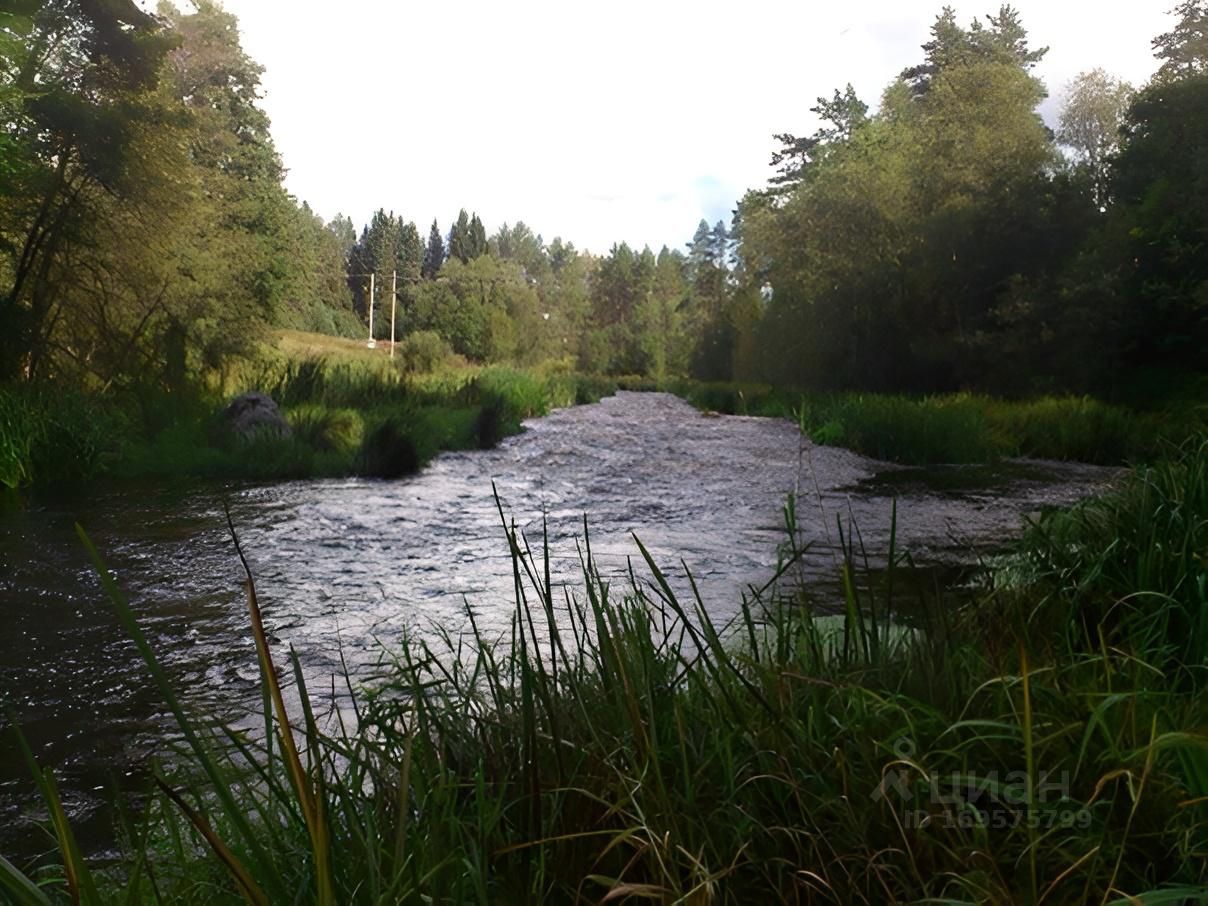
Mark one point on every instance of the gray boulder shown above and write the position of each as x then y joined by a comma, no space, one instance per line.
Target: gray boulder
254,415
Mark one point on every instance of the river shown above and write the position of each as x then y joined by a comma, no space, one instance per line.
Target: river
346,565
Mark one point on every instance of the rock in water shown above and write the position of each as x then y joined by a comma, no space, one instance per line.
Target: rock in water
254,415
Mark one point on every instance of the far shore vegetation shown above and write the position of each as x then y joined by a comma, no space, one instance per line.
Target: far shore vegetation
355,411
934,275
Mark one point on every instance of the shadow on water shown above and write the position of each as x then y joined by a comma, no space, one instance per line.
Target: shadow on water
349,565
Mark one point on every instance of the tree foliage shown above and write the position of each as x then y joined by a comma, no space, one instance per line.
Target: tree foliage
434,253
143,227
1184,49
945,239
1091,120
943,242
1160,183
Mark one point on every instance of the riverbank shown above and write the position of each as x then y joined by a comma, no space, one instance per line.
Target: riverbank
344,418
354,411
969,428
1042,742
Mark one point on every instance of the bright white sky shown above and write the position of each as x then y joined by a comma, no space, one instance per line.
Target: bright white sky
599,122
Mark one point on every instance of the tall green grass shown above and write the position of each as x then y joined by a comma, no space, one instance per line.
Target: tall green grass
1129,568
620,743
953,428
348,416
54,436
963,428
901,429
363,418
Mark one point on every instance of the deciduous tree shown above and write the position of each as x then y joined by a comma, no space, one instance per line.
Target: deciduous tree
1091,119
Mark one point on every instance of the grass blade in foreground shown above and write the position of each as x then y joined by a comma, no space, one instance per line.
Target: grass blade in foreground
220,784
309,798
24,891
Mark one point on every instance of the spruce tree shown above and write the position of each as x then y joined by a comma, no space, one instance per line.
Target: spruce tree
410,250
478,238
459,237
434,255
1184,50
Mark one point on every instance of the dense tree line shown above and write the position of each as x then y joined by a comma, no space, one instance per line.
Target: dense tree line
513,297
951,240
945,239
146,236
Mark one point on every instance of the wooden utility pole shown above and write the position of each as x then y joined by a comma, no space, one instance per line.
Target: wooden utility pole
371,344
393,301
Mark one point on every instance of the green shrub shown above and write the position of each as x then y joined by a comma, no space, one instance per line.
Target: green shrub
389,452
489,423
591,389
328,430
832,433
422,352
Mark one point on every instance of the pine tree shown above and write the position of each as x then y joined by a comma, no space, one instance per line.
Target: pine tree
1184,50
1004,41
561,254
698,248
459,237
477,238
434,255
719,245
383,239
360,265
844,112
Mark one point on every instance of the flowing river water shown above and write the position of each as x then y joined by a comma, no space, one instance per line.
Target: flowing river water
348,565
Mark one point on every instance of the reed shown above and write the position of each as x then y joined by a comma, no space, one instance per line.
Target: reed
959,427
50,436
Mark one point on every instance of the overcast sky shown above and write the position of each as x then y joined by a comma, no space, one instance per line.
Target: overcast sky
599,122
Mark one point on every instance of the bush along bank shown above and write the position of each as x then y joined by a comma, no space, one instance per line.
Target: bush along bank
961,428
621,743
342,420
356,418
